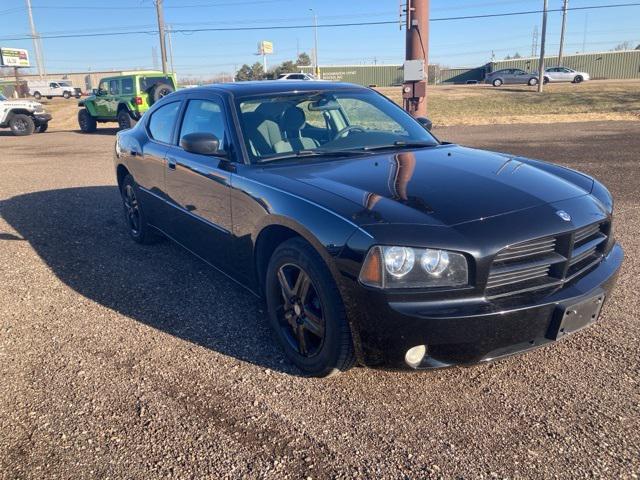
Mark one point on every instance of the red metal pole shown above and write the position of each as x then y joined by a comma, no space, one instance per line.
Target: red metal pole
417,48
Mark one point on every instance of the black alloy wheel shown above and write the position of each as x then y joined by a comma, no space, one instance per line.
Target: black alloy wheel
306,310
137,225
132,209
300,311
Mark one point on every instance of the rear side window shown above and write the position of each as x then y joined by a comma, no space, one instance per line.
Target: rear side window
127,86
114,87
205,116
163,121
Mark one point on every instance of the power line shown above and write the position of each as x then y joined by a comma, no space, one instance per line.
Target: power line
326,25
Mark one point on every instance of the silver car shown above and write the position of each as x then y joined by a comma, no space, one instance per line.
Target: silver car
564,74
511,76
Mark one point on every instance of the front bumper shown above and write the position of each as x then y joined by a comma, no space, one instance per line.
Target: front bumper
461,332
41,118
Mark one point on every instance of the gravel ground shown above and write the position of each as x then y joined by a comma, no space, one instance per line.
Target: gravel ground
124,361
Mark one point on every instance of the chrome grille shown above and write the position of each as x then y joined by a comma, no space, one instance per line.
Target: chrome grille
546,262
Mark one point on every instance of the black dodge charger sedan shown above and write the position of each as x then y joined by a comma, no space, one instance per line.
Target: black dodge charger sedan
370,240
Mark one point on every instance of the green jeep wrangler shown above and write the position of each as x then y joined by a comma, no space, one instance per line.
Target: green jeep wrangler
124,98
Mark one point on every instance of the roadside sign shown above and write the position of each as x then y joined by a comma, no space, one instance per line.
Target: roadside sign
14,57
265,48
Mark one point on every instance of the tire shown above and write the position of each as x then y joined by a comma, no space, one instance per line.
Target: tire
37,95
21,125
137,226
312,330
578,79
125,121
86,122
546,80
160,90
533,82
42,127
66,95
49,98
497,82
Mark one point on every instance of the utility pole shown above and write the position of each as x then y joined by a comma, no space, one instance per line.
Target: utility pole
315,42
169,32
542,45
161,33
37,45
417,48
565,5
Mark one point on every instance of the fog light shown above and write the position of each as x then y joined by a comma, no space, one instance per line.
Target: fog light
414,355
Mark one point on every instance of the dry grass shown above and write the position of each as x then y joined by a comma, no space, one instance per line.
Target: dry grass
483,104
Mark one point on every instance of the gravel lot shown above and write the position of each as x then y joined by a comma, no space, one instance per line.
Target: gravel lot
123,361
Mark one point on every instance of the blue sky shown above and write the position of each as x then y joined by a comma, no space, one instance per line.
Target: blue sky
452,43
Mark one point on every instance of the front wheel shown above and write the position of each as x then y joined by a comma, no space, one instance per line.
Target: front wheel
22,125
66,95
533,82
37,95
578,79
137,226
306,311
42,127
497,82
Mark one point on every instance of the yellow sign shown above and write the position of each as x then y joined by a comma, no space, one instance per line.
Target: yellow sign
265,47
14,57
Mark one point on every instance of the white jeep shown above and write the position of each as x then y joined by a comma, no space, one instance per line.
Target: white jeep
22,116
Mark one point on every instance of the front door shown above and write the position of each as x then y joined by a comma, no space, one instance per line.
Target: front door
199,186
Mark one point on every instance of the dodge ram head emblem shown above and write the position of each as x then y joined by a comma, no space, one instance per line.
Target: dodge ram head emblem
564,215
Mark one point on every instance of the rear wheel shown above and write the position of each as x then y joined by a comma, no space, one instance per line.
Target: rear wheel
497,82
66,95
533,82
306,311
21,125
37,95
86,122
160,90
42,127
124,120
546,80
134,216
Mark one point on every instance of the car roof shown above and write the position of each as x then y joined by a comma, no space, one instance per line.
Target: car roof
274,86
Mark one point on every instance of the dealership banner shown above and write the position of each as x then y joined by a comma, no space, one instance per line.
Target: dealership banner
14,57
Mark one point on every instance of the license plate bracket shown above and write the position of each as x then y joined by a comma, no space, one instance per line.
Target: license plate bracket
573,317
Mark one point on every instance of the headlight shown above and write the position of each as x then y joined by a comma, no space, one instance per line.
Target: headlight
406,267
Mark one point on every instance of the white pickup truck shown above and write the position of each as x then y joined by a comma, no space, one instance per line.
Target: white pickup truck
23,116
53,88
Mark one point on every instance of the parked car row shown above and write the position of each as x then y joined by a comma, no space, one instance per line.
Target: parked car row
517,76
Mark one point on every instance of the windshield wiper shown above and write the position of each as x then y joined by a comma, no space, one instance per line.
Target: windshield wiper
400,144
312,153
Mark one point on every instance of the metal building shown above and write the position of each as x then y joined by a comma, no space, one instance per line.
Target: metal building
602,65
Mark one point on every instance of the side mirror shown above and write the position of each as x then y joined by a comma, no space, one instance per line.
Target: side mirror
201,143
425,122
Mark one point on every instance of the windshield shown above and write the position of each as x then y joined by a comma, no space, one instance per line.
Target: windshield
307,123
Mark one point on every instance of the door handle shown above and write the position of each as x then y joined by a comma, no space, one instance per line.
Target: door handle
171,163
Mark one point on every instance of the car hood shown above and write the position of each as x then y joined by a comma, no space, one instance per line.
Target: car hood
444,185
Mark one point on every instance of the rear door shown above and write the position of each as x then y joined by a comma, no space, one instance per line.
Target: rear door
151,163
199,186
